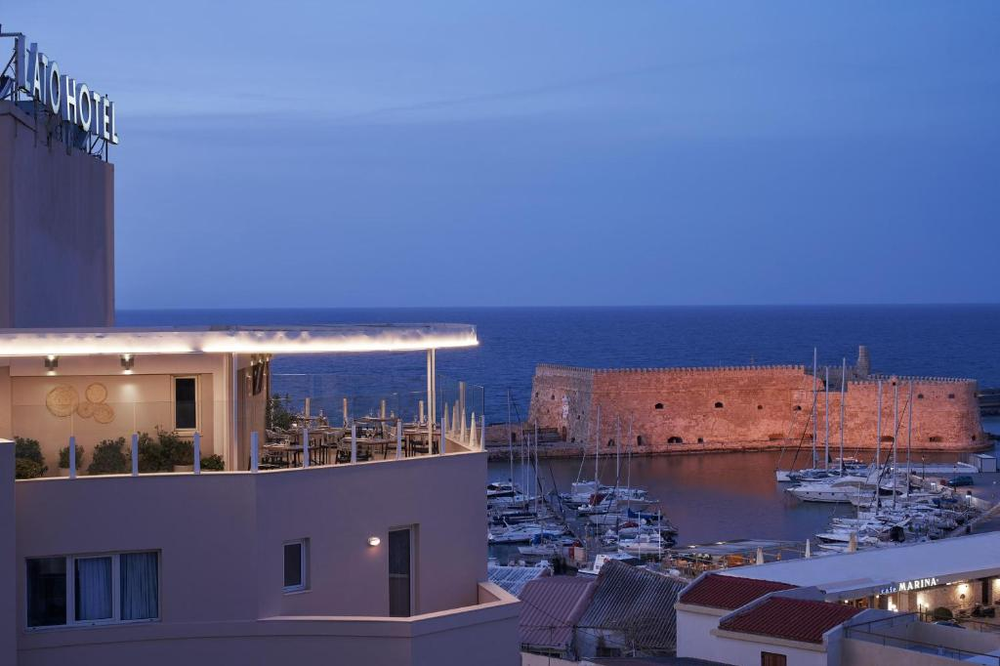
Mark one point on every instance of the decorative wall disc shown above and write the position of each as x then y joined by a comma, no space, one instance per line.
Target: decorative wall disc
86,409
62,400
97,393
104,413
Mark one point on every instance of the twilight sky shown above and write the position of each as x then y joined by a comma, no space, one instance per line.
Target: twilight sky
544,153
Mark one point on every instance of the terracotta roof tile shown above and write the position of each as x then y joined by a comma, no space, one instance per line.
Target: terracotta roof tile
792,619
729,592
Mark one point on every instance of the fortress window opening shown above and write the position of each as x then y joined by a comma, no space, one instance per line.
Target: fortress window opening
658,405
718,405
951,396
920,396
675,440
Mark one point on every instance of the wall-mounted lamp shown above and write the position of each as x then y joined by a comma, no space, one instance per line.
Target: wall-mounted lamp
51,362
127,362
374,541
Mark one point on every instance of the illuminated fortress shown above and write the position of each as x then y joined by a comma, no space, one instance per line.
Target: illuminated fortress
717,408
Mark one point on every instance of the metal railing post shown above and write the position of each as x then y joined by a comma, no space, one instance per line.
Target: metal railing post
354,442
135,454
72,456
305,447
197,453
254,443
399,438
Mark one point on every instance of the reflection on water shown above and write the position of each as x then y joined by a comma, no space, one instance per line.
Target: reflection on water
715,497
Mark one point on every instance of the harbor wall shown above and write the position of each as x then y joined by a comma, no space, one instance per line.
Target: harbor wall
56,229
677,410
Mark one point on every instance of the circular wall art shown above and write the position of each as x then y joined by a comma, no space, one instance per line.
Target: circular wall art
96,393
62,400
104,413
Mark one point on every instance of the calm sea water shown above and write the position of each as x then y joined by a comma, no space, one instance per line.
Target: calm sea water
710,497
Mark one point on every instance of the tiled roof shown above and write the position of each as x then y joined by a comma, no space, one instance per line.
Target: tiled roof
792,619
513,579
550,607
729,592
636,602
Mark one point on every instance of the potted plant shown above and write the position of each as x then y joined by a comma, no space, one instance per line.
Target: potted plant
213,463
182,454
177,453
109,457
28,460
64,459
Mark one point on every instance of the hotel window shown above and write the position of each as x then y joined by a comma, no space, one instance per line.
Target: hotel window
185,403
296,565
99,589
773,659
400,562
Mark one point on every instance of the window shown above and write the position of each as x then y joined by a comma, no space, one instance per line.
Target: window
93,589
295,566
658,405
185,403
920,396
773,659
400,559
718,405
951,396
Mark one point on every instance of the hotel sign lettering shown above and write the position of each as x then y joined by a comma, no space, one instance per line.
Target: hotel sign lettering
63,96
910,585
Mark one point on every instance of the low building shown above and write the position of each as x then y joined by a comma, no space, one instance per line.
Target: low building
866,607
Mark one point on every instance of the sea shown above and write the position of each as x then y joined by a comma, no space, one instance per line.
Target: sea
710,497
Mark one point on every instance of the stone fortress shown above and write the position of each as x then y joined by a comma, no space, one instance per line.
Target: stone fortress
677,410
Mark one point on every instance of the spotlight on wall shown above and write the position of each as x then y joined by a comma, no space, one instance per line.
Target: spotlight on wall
127,362
51,362
374,541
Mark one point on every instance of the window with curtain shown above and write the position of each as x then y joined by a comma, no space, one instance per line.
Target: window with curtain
140,586
93,589
120,587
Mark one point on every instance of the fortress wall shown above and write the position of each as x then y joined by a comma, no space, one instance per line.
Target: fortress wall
561,398
761,405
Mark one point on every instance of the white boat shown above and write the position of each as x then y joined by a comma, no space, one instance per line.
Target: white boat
601,560
643,544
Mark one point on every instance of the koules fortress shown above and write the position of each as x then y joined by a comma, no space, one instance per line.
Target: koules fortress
677,410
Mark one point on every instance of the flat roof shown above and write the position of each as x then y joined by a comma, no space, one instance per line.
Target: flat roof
324,339
948,560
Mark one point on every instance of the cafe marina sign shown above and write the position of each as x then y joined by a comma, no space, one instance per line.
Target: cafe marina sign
910,585
73,101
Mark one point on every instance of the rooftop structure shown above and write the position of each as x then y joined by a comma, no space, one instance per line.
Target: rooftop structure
803,620
730,592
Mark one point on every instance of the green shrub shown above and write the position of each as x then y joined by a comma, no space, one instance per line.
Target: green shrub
942,613
153,457
25,468
64,457
28,460
109,457
213,463
176,451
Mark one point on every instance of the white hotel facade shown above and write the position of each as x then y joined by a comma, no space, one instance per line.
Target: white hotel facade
374,562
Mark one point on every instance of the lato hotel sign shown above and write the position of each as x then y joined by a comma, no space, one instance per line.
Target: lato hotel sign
73,101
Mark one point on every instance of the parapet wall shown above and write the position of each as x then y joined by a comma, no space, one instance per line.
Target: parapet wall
671,407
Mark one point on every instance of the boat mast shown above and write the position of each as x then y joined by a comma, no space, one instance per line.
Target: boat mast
597,450
538,485
826,420
628,449
510,441
843,383
814,415
878,429
618,452
909,434
895,436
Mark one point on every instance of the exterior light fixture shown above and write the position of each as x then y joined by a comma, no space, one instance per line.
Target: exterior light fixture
374,541
127,362
51,362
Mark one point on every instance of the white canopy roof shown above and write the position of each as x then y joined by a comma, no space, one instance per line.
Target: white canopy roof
948,560
235,339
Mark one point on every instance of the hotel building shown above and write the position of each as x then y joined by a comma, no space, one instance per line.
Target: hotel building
334,557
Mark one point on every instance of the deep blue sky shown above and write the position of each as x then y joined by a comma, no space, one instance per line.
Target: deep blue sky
536,153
